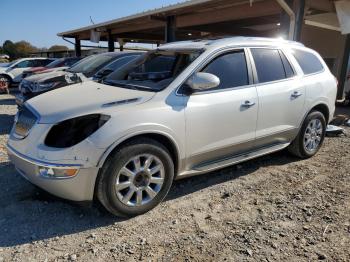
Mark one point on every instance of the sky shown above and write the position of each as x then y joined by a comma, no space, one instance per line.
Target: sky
39,21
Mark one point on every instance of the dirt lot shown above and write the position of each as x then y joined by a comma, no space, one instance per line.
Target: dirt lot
275,208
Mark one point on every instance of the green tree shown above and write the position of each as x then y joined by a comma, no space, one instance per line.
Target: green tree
58,48
24,48
9,49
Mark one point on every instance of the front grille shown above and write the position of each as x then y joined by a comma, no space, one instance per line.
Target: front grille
25,120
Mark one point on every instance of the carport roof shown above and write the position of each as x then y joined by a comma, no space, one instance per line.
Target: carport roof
199,19
194,19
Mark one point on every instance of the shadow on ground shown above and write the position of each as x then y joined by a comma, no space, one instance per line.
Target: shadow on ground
7,102
6,122
28,214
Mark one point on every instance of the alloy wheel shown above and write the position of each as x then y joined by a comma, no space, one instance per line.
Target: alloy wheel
140,180
313,135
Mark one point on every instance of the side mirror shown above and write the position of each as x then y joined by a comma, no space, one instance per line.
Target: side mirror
203,81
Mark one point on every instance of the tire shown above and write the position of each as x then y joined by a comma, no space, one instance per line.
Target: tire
115,175
301,146
8,81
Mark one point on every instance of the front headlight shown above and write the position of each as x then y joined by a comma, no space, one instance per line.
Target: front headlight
71,132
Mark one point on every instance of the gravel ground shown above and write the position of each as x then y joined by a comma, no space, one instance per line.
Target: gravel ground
275,208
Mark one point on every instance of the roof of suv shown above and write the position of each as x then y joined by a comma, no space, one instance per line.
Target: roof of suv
229,41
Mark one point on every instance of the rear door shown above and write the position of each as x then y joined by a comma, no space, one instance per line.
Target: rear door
281,96
221,122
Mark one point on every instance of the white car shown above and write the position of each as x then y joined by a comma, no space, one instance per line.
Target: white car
184,109
12,73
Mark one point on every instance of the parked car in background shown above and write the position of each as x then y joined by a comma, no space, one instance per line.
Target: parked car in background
111,67
12,73
37,84
57,65
214,103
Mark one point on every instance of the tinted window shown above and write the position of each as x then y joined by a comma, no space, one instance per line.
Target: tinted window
23,64
89,65
287,67
231,69
308,62
44,62
71,61
268,65
160,63
119,62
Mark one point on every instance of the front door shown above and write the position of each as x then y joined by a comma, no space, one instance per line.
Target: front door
221,122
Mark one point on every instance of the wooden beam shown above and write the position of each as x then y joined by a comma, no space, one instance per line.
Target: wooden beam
322,5
265,8
137,26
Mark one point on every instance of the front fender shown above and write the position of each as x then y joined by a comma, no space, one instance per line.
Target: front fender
8,74
143,130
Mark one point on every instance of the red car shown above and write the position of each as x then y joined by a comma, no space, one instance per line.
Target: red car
58,64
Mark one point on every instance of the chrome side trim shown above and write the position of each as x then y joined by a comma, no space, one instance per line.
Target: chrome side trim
39,162
198,170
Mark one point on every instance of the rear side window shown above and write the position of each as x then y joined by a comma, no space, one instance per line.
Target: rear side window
308,62
269,65
230,68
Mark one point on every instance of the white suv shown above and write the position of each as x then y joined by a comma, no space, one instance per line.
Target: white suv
184,109
12,73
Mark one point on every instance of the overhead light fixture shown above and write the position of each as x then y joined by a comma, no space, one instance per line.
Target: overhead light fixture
278,24
189,34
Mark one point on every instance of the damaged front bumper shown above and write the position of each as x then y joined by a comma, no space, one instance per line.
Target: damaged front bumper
69,181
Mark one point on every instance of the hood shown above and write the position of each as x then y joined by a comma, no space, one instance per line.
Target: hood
47,77
61,68
35,69
3,69
82,99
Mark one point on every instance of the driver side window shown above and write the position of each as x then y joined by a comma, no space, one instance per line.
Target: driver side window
230,68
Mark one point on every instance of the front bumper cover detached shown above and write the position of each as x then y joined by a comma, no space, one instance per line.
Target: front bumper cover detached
79,187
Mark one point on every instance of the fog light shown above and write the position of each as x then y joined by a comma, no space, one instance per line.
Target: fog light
49,172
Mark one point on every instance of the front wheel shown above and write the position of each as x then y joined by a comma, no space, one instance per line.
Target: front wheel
136,178
5,83
310,137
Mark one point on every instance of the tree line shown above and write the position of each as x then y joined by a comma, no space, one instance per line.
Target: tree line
23,48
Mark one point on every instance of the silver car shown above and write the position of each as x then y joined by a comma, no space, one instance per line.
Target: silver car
181,110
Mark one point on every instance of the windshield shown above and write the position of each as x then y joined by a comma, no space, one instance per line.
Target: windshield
89,65
153,71
55,63
13,62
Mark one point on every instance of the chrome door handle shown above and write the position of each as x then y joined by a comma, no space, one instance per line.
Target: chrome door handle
296,94
248,103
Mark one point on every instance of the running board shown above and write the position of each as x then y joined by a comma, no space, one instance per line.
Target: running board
207,167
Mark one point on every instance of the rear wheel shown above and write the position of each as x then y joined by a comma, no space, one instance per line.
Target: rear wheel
310,137
136,178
